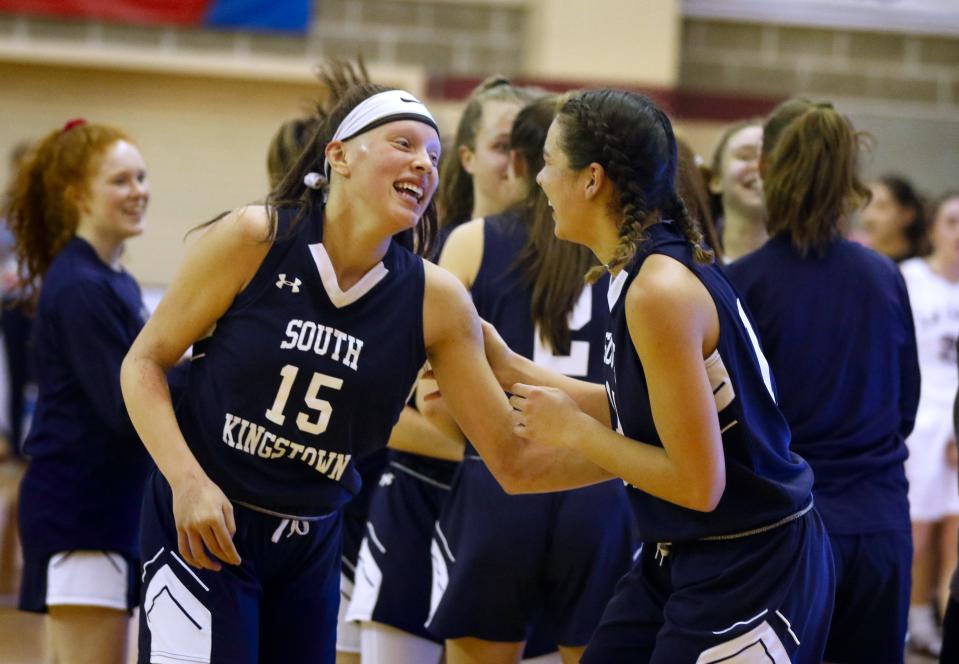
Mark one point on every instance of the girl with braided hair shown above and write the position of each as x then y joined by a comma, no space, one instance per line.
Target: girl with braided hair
735,561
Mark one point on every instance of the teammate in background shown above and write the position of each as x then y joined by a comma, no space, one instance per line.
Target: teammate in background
241,528
737,189
736,561
815,294
393,596
474,181
80,196
502,563
933,283
894,220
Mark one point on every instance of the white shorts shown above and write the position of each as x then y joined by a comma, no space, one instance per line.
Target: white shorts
933,483
88,578
347,632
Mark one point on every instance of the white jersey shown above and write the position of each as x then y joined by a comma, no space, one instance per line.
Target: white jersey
935,310
933,487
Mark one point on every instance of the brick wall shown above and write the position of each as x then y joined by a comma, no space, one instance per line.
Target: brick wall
889,69
439,35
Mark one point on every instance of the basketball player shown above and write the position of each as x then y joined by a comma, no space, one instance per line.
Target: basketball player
501,562
81,194
310,320
735,562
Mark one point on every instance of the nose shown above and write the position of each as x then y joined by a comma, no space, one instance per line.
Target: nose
539,178
423,162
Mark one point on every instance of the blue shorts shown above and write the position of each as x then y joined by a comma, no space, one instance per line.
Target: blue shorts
873,580
370,468
278,605
394,572
762,598
501,561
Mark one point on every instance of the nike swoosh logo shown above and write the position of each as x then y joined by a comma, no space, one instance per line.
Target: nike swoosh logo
409,101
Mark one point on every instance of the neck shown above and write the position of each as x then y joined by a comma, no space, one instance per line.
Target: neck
894,246
484,207
742,233
942,267
604,243
108,249
353,240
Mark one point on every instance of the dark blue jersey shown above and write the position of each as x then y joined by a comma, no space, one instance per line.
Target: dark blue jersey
838,332
87,469
503,297
298,377
765,482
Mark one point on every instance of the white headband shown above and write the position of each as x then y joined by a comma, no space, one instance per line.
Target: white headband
377,110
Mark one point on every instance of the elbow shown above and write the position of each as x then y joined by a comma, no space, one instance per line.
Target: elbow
513,478
706,496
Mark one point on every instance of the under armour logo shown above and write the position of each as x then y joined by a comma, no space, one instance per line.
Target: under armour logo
386,479
295,284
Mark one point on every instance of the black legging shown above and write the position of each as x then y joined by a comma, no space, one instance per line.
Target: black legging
950,633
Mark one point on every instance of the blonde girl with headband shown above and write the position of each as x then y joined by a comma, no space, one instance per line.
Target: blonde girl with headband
310,319
80,195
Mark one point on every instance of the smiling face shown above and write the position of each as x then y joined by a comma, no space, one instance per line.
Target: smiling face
884,219
564,189
392,169
116,196
488,161
738,180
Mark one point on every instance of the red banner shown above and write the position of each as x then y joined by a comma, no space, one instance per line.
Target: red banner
178,12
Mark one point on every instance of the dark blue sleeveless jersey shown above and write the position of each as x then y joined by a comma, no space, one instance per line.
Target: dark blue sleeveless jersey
84,484
503,298
299,377
838,332
765,482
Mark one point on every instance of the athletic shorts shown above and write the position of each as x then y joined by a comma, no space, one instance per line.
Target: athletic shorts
933,483
394,572
499,560
278,605
873,579
765,598
354,526
79,578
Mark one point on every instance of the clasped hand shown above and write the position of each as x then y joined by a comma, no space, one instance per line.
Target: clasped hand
544,415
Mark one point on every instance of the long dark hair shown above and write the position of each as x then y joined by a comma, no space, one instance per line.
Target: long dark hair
632,139
692,187
552,269
810,176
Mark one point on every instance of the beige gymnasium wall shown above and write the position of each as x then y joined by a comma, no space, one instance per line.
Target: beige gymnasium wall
204,104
